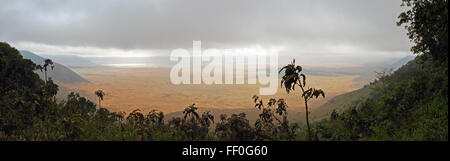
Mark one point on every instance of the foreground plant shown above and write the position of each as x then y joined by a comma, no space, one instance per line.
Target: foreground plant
275,109
292,77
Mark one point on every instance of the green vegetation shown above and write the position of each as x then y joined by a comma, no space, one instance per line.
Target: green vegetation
408,104
414,107
411,103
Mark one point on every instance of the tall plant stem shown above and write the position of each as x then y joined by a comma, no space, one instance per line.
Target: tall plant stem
307,119
307,112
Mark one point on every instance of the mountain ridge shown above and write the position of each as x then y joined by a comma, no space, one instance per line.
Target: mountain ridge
60,73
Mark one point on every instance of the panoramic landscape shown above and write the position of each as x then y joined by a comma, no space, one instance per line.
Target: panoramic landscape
312,71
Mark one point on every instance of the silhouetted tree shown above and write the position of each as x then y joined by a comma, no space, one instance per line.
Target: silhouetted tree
191,111
275,109
155,116
206,119
44,68
100,94
136,117
427,24
234,128
292,77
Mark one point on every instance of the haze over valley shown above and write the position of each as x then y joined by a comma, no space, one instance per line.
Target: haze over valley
147,87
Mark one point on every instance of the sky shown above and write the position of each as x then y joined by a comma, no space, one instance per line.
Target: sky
327,30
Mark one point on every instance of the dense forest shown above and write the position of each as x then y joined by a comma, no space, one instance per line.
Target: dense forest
408,104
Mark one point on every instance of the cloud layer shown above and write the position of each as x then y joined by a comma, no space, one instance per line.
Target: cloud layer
350,28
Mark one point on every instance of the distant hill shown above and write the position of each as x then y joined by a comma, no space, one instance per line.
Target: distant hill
399,63
366,72
72,61
59,74
342,102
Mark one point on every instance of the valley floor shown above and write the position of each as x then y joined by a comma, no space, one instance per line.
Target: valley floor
148,89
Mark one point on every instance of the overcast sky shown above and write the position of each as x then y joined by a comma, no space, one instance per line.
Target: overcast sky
338,29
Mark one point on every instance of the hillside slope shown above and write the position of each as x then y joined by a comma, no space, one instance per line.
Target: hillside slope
59,74
410,104
371,91
342,102
72,61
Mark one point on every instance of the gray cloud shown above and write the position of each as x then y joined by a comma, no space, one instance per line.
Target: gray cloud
164,25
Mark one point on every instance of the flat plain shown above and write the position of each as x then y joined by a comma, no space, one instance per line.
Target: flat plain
150,88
